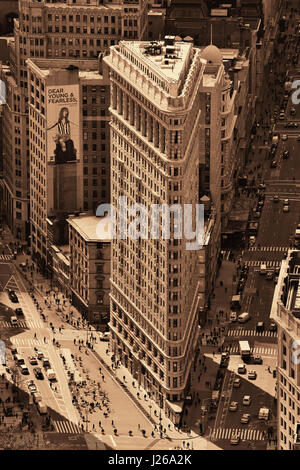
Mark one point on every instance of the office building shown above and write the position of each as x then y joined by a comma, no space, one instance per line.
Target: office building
166,102
285,312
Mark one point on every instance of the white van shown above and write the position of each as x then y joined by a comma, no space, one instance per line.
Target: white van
51,374
263,268
243,317
13,320
264,413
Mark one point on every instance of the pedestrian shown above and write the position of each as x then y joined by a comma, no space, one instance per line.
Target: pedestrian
44,339
35,337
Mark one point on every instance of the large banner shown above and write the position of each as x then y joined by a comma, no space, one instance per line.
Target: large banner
62,123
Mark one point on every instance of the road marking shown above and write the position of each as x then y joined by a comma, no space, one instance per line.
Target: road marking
245,434
237,332
269,248
113,441
66,427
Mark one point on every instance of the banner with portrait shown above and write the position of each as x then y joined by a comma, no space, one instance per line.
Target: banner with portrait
62,123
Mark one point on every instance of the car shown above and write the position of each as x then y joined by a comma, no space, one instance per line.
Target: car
24,369
270,275
31,386
233,406
19,312
252,375
284,137
260,326
281,116
252,240
285,154
33,361
38,373
246,400
235,440
13,320
105,336
245,418
295,124
286,208
275,198
286,202
39,355
13,296
241,369
277,270
257,214
257,360
273,164
236,383
273,327
276,280
233,317
293,111
36,397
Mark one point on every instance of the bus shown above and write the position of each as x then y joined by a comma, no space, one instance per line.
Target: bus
245,350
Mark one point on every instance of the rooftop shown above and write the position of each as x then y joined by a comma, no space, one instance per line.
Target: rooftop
91,228
168,59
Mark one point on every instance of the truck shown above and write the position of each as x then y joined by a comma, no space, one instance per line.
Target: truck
245,350
51,374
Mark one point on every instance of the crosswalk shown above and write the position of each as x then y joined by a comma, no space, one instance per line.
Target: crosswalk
21,324
6,257
66,427
244,434
26,342
269,248
257,350
242,332
269,264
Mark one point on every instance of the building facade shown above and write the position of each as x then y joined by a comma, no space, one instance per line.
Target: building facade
89,268
165,149
285,311
68,30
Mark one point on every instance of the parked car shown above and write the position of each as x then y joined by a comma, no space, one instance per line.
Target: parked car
246,400
31,386
252,375
233,406
245,418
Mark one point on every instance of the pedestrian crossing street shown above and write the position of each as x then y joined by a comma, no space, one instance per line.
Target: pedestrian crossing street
242,332
6,257
66,427
269,264
259,350
245,434
21,324
269,248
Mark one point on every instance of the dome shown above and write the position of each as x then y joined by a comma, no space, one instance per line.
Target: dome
212,54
